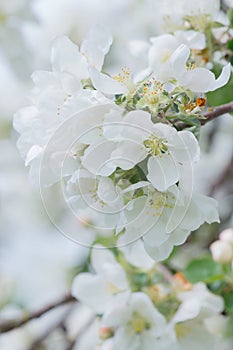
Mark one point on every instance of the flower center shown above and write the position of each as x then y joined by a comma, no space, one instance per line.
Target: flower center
156,146
122,77
182,330
138,323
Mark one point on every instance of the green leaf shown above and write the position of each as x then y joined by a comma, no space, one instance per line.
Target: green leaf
230,44
222,95
228,299
230,16
216,24
203,269
189,120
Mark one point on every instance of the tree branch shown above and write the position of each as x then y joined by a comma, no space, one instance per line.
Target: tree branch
217,112
224,7
8,325
220,180
58,323
212,114
81,331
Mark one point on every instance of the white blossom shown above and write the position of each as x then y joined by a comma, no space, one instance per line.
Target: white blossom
136,323
95,290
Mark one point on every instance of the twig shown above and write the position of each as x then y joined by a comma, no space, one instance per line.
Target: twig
58,323
210,115
8,325
165,272
216,112
224,7
221,177
81,331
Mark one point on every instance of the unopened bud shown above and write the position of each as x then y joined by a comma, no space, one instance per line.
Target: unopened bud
222,252
105,333
227,235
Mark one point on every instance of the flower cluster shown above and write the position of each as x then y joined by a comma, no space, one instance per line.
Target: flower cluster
115,150
138,309
115,139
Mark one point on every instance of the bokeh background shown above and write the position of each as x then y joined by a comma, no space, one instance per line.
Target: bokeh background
37,263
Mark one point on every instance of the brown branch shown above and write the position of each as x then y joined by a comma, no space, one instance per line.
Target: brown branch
224,7
217,112
8,325
80,332
220,180
212,114
58,323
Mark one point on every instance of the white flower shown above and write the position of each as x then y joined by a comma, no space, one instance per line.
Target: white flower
98,195
198,302
95,290
66,56
183,7
163,47
197,306
59,94
136,323
131,138
136,255
197,79
222,251
164,220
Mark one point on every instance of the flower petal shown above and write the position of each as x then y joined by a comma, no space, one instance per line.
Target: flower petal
65,57
96,45
162,172
178,60
97,158
82,289
106,84
202,80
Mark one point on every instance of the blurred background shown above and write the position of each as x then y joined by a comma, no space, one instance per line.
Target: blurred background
37,264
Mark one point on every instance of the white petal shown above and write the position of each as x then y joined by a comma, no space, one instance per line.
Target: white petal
208,207
162,172
165,131
135,186
65,57
191,38
140,120
107,191
91,290
187,311
202,80
179,59
97,159
159,253
198,337
136,255
117,313
223,78
96,45
127,154
184,147
106,266
34,152
106,84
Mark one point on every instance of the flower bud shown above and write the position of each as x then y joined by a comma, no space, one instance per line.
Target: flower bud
222,252
227,235
105,333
